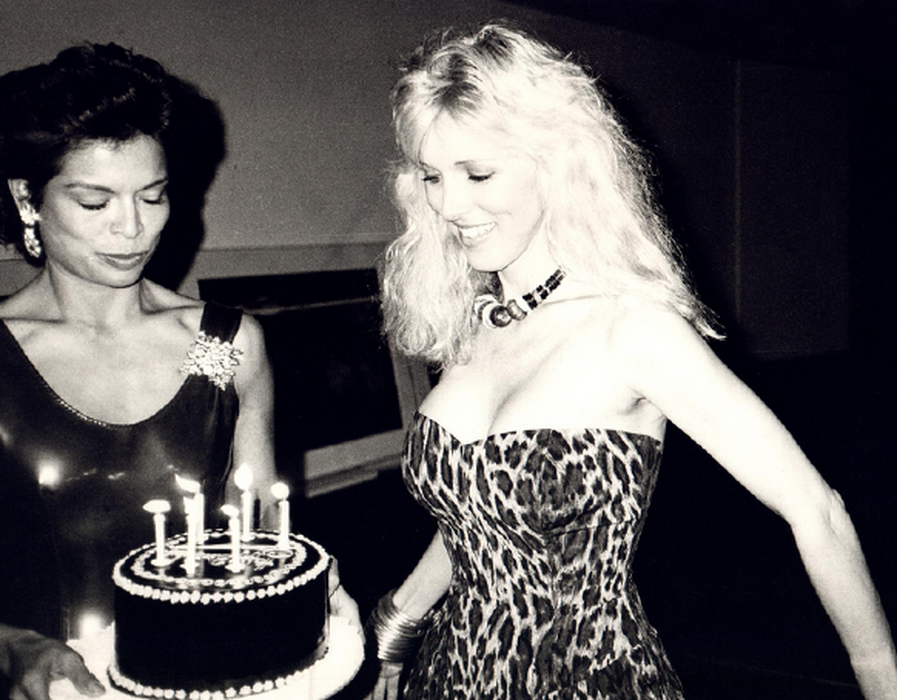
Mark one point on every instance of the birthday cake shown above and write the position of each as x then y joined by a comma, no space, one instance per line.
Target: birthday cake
219,628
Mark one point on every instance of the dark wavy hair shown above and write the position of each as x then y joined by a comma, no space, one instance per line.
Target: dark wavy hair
103,92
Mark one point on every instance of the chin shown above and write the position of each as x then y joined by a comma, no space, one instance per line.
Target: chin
122,281
486,263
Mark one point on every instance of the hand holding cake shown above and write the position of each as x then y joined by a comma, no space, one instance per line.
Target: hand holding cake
32,660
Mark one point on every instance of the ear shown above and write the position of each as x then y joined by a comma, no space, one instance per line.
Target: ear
18,187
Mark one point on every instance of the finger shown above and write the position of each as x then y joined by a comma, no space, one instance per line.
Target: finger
379,689
73,668
33,686
345,606
392,687
333,575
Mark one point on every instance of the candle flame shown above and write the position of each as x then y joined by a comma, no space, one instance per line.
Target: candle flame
187,484
230,511
280,490
49,475
243,477
157,506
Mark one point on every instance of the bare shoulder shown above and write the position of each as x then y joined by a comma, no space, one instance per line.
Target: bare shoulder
654,346
27,304
641,328
12,307
162,302
251,336
189,311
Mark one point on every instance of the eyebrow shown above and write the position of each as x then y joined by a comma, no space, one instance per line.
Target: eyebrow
108,190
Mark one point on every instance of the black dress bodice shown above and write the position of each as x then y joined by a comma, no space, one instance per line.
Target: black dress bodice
72,488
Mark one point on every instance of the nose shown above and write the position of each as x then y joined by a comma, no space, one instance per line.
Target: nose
127,221
455,200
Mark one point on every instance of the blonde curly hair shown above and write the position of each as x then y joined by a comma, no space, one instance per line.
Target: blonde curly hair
600,217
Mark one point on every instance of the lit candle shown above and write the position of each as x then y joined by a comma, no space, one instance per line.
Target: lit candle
243,480
190,559
159,508
193,487
281,491
233,525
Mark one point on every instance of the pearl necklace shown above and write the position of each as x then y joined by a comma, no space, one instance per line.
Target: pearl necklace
493,314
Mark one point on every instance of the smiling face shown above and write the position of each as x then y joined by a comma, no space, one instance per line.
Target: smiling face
101,217
487,193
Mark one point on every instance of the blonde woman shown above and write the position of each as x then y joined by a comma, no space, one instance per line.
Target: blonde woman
536,271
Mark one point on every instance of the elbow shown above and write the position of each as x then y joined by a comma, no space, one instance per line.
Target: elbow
825,515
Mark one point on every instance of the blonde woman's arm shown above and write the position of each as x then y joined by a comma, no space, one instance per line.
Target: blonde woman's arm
417,595
665,361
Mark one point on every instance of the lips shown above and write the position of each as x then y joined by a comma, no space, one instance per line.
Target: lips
469,234
122,261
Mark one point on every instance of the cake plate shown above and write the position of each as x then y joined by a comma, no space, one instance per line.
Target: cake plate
326,677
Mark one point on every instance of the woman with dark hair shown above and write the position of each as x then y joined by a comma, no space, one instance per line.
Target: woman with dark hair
536,271
110,384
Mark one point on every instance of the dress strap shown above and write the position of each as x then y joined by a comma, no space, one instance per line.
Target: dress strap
220,322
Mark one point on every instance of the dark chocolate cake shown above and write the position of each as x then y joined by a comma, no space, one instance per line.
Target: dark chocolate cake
220,632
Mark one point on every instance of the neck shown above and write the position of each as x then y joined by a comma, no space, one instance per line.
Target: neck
95,306
514,285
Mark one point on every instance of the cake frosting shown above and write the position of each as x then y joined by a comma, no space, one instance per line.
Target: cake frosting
220,632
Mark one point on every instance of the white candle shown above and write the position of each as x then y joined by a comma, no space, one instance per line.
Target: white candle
233,524
190,559
243,480
159,508
199,503
281,491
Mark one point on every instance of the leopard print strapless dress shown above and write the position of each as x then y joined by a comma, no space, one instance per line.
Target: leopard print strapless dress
541,527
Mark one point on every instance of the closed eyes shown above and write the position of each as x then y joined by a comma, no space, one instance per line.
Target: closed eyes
155,200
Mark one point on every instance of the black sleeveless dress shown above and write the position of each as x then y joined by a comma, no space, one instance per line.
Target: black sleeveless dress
72,488
541,527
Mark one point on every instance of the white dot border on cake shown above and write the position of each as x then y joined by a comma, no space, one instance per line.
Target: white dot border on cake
196,597
147,691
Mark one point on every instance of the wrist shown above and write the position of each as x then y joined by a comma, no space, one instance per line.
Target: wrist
397,633
410,603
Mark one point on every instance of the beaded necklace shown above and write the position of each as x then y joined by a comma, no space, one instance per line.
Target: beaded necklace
494,314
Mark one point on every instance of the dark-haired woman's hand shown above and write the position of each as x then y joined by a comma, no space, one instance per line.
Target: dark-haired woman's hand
341,603
32,661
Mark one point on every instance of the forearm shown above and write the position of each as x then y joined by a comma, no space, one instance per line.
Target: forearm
834,561
427,583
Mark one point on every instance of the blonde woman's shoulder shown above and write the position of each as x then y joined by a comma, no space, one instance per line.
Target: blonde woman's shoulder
646,334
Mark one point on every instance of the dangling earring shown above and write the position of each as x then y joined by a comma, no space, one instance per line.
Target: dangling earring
31,241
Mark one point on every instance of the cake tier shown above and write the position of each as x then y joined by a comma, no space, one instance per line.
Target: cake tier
219,630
